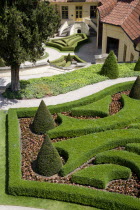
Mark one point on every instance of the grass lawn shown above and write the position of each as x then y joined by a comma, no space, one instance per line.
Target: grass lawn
63,83
6,199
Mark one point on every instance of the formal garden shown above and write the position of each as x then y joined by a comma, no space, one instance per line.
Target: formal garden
84,152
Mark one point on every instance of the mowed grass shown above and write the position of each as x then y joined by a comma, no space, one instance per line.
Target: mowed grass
6,199
63,83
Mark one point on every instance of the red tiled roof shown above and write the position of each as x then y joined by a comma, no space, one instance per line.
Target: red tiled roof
124,13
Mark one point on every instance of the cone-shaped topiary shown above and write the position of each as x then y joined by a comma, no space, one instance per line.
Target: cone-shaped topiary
110,67
135,90
69,58
48,160
137,66
43,120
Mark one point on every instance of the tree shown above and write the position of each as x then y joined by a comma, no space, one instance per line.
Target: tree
43,120
110,67
24,26
48,160
137,66
135,90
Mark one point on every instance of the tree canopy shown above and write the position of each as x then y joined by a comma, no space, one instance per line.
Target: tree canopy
24,26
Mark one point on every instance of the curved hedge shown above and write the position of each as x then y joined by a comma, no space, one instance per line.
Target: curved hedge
98,142
63,192
83,148
100,175
69,43
99,108
71,127
133,147
125,158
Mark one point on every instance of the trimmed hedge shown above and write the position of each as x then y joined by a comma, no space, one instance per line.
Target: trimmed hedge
125,158
135,90
30,112
137,65
63,62
71,127
48,160
63,192
100,175
110,66
83,148
99,108
69,43
43,120
133,147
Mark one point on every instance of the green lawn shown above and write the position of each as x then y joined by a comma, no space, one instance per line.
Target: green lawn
21,200
63,83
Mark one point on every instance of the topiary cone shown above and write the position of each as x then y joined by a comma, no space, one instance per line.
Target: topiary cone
48,160
137,66
135,90
43,120
110,66
69,58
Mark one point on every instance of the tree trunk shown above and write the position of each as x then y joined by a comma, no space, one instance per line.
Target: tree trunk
15,85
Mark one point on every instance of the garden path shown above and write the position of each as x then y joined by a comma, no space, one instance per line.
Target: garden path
5,104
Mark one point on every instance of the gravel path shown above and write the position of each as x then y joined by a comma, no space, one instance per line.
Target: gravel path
5,104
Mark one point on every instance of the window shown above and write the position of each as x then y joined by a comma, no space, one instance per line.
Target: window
78,11
64,12
93,10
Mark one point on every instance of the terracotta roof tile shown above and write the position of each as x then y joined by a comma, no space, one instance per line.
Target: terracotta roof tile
124,13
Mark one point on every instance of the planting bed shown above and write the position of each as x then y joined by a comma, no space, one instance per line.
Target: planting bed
68,43
82,140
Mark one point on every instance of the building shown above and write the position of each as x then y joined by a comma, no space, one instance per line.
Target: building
116,23
119,28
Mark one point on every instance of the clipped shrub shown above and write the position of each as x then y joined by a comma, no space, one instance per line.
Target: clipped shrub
135,90
69,58
110,67
48,160
43,120
137,66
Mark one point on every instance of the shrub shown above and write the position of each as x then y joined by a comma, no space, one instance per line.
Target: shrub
69,58
135,90
110,66
100,175
137,66
48,161
43,120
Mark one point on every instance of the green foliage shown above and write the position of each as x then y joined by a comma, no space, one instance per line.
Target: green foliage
68,58
110,67
64,83
133,147
71,127
65,61
100,175
24,112
48,160
18,44
69,193
99,108
137,66
78,150
68,43
43,120
83,148
125,158
135,90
